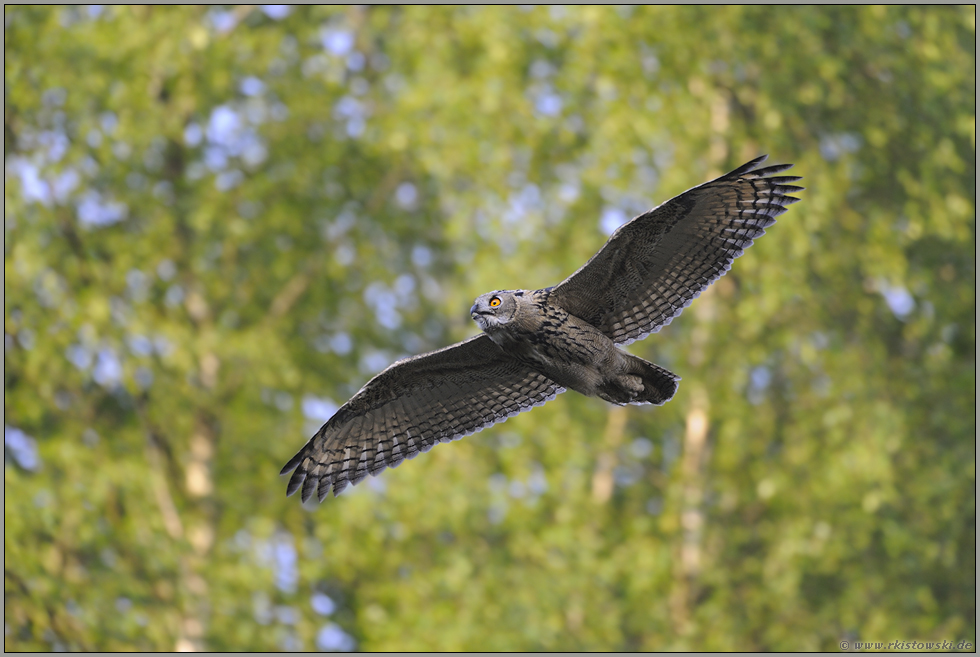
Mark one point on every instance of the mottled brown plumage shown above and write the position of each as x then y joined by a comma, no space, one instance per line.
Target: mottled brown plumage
536,344
529,326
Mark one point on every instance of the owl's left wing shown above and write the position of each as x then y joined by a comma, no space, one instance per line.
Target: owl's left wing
414,404
654,266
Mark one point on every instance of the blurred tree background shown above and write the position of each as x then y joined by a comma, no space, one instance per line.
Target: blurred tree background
221,221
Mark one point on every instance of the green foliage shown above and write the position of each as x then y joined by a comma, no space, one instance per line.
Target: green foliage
217,218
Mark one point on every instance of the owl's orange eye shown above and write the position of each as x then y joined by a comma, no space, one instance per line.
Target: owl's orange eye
494,302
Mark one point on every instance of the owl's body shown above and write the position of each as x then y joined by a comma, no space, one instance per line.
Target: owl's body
568,350
536,344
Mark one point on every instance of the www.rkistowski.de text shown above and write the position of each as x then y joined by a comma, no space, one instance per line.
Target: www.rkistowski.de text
906,645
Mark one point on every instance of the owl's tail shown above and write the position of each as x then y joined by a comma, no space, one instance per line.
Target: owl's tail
659,384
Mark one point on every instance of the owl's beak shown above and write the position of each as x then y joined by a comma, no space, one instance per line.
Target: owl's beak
473,312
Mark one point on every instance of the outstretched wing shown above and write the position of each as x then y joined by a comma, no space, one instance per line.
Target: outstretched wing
654,266
414,404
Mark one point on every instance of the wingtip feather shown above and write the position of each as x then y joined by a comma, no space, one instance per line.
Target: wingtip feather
293,462
339,486
323,489
309,486
295,482
770,170
748,166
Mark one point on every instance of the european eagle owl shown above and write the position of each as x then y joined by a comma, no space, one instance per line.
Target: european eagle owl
536,344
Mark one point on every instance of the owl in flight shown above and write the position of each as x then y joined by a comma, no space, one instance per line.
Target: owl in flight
536,344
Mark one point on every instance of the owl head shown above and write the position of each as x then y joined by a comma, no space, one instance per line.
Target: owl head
495,309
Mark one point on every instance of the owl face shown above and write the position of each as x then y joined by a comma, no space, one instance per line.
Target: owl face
494,309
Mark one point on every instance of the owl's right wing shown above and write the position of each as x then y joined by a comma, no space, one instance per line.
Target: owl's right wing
414,404
654,266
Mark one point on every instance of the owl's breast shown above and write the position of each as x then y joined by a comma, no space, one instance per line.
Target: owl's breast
563,347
